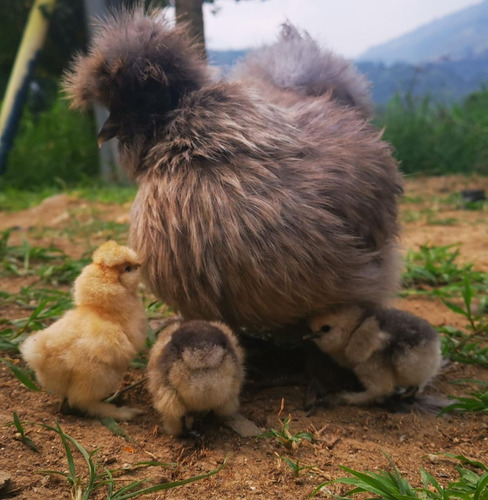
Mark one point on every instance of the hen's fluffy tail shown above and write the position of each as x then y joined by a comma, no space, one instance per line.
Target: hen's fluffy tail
296,62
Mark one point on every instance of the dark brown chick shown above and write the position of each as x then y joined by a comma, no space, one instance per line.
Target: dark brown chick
255,207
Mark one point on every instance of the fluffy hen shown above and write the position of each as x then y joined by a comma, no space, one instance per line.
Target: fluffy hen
263,198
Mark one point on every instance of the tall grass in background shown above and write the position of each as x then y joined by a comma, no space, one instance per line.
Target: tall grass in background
53,147
438,139
57,147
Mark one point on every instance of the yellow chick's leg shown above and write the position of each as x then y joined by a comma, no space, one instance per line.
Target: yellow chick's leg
80,398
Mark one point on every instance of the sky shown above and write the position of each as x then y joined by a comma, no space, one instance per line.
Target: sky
349,27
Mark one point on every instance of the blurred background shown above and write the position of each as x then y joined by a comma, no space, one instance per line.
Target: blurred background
427,62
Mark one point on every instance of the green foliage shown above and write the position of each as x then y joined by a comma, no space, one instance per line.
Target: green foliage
434,270
389,485
112,425
14,199
434,139
295,466
57,147
52,267
100,478
468,347
284,436
476,401
50,264
22,434
25,377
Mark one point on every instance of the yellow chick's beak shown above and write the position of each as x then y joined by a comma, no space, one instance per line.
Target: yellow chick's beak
109,130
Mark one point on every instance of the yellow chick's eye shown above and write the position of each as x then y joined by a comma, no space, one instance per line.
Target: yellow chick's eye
128,269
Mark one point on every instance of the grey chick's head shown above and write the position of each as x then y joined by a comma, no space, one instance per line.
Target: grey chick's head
332,329
138,66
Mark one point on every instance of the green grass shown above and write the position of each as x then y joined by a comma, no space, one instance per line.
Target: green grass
295,466
435,140
13,199
434,270
57,148
470,346
284,436
50,265
22,435
94,478
475,401
391,485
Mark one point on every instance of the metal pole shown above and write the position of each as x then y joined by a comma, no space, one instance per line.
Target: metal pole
25,62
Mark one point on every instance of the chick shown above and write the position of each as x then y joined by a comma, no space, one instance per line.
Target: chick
84,355
386,349
195,366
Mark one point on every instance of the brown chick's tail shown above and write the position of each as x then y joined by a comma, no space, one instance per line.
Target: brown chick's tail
296,62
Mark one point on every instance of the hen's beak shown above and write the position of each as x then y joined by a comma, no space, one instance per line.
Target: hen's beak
109,130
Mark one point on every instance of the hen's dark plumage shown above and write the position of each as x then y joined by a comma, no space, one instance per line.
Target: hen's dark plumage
262,199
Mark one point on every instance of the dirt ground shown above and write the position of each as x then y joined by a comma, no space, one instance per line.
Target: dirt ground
349,436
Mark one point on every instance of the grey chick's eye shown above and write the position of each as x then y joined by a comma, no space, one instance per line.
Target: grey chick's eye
325,328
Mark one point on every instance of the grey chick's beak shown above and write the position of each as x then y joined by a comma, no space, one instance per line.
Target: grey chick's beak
109,130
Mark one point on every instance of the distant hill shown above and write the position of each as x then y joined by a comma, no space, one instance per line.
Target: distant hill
446,59
444,81
461,35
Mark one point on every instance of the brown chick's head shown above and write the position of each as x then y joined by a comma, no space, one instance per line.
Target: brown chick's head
115,272
195,366
138,67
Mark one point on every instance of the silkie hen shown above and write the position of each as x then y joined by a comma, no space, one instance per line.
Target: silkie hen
262,199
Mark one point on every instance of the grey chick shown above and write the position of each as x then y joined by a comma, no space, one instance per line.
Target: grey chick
387,349
195,366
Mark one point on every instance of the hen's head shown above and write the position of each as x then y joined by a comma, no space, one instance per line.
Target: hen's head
137,66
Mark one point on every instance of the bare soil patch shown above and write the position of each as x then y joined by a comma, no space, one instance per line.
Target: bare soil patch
348,436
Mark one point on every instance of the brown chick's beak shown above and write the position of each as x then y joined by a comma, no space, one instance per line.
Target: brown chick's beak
109,130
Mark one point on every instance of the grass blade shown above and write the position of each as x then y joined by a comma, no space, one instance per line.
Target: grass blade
115,428
22,376
23,438
170,485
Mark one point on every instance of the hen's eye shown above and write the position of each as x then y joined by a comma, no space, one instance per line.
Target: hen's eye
128,269
325,328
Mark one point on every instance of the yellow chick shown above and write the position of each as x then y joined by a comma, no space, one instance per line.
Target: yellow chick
84,355
195,366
